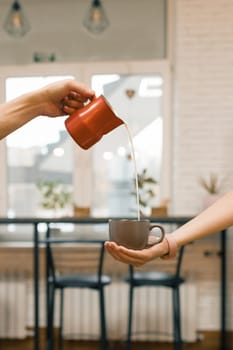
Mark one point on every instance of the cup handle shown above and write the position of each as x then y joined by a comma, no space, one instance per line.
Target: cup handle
156,235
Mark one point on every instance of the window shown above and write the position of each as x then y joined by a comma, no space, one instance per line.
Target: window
102,177
38,152
136,99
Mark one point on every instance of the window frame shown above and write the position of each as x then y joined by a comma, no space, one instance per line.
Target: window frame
84,72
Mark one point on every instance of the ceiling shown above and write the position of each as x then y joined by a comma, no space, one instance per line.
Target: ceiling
136,31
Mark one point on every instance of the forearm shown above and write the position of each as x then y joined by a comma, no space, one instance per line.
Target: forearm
16,113
213,219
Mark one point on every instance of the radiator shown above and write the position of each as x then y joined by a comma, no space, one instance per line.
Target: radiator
13,305
152,311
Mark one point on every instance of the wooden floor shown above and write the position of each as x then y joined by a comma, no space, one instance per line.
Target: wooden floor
210,342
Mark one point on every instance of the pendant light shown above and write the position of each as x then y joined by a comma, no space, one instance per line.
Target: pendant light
16,23
96,20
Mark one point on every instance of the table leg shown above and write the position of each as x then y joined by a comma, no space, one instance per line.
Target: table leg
223,340
48,323
36,289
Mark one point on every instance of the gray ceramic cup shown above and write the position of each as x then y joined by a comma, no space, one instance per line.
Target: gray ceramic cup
134,234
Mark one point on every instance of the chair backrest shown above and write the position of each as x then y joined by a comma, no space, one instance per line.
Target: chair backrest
179,260
75,256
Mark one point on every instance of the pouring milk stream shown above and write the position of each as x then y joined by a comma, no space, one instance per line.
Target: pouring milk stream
88,124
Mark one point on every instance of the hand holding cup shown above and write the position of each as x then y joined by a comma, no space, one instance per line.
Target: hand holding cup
135,234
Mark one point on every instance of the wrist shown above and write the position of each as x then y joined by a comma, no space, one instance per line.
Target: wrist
37,100
172,247
29,105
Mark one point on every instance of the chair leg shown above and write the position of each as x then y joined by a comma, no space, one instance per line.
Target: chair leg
178,343
50,321
130,318
60,341
103,339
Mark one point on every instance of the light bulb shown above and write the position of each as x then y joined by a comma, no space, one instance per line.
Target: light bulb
16,23
96,20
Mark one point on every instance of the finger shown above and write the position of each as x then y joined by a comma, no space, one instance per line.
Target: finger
80,97
138,257
68,110
131,253
109,244
73,103
122,258
81,89
121,254
73,95
115,255
112,248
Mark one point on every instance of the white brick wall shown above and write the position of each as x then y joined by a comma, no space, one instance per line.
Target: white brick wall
203,98
203,120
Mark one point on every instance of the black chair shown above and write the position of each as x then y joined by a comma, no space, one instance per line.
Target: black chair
74,264
145,277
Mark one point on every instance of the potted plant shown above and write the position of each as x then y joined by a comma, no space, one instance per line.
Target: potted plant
81,211
54,195
212,185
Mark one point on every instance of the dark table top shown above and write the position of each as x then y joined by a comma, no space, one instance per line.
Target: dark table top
88,220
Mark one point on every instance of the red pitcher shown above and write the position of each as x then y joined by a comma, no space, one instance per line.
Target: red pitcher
87,125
